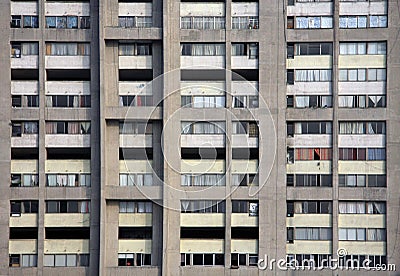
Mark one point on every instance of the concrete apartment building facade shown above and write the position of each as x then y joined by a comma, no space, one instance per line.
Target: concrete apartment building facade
193,137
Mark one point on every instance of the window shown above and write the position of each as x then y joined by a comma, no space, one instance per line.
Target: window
135,21
135,100
353,22
15,21
362,154
73,101
135,207
362,101
135,128
137,179
203,22
309,207
67,127
312,127
135,49
313,75
362,75
24,49
134,259
24,207
67,49
244,179
362,234
24,180
245,206
202,206
362,128
362,48
303,154
376,180
312,233
245,101
357,260
214,49
204,101
202,127
66,260
243,127
209,259
361,207
68,22
313,22
203,180
24,128
68,180
245,49
308,260
312,101
309,180
23,260
67,206
301,49
244,22
243,259
378,21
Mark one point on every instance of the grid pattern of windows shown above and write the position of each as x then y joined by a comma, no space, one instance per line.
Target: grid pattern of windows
362,48
243,259
23,260
68,180
135,100
309,233
308,207
203,127
362,101
203,22
135,207
136,179
310,22
309,180
203,101
362,234
244,22
19,128
135,21
24,180
67,206
195,259
360,75
66,260
376,154
68,22
362,207
24,21
362,21
202,206
134,259
307,101
68,101
203,180
67,127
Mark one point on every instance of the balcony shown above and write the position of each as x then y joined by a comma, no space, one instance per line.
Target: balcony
309,141
135,141
203,62
244,88
202,9
362,61
371,141
201,166
24,7
67,140
25,62
55,246
244,220
244,166
24,166
67,62
202,220
135,246
362,221
245,9
363,8
362,88
362,167
135,62
202,246
309,62
364,247
135,88
310,88
24,87
309,220
24,220
310,247
244,141
203,141
65,8
67,220
135,166
244,246
67,87
135,9
310,8
25,246
311,166
66,166
244,62
135,219
25,141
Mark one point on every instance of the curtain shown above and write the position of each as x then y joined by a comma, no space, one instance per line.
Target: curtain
372,235
238,49
346,101
84,128
123,180
148,180
52,180
326,22
302,101
71,179
351,208
186,22
73,128
301,22
380,234
130,179
300,234
342,207
30,49
298,208
184,205
85,206
360,208
360,234
139,180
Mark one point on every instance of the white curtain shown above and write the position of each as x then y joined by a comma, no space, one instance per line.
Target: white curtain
123,180
346,101
351,208
342,207
71,179
148,180
302,101
62,180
